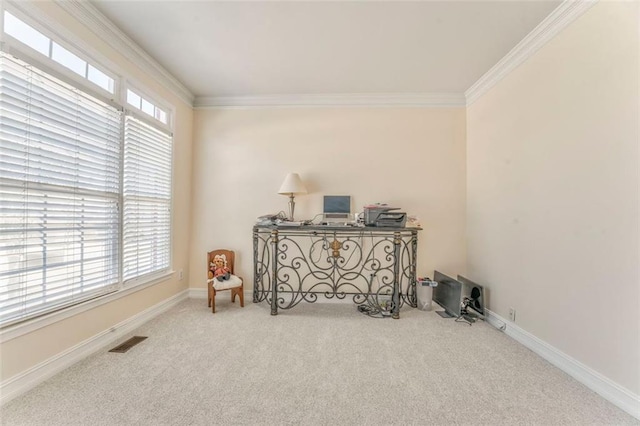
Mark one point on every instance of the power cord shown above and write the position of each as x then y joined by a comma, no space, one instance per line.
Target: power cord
502,327
314,218
371,312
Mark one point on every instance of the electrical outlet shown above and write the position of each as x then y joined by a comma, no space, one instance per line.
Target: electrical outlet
512,315
180,275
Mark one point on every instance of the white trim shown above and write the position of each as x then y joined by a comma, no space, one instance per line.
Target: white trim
200,293
33,16
330,100
34,324
137,88
559,19
606,388
87,13
21,383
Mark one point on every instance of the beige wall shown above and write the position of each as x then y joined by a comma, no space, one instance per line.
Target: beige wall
21,353
552,182
411,158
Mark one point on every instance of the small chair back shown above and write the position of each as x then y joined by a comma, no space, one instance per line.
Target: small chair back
229,254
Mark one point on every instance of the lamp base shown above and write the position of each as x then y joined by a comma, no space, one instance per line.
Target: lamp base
292,207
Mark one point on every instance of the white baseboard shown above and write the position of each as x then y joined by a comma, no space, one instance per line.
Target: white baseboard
201,293
21,383
608,389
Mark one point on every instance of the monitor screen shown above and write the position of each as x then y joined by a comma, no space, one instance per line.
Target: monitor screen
337,204
448,294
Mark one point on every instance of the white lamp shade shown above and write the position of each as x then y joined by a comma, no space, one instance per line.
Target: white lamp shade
292,185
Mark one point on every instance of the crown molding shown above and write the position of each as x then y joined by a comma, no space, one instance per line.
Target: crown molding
567,12
86,13
334,100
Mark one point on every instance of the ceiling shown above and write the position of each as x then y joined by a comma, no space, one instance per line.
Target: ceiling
265,48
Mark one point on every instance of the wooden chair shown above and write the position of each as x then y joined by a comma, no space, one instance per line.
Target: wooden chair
234,284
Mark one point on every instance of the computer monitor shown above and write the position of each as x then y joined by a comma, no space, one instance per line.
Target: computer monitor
472,296
448,294
337,207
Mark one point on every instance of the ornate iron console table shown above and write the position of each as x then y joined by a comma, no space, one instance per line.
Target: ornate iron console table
374,266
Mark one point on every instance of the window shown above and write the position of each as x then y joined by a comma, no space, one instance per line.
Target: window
26,34
146,106
33,38
68,59
59,192
147,199
85,184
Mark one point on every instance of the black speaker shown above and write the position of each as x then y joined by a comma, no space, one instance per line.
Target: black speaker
472,296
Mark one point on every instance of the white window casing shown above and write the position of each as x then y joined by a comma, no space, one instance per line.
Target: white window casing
85,179
59,193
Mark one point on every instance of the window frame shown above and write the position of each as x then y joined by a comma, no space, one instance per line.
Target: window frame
153,275
14,46
134,86
121,82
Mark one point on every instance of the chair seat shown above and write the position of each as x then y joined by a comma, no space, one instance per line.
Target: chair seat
232,282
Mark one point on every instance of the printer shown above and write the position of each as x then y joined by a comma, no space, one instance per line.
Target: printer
383,215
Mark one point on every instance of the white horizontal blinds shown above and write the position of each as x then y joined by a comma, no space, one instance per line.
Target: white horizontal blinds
147,199
59,193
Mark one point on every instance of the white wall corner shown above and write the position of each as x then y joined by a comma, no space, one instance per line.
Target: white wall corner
608,389
87,13
440,100
201,293
27,380
567,12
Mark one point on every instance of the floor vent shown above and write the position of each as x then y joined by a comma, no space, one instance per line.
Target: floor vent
123,347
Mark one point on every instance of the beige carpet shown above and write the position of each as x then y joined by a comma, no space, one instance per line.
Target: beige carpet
317,364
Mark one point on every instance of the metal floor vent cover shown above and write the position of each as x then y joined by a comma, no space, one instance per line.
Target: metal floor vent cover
123,347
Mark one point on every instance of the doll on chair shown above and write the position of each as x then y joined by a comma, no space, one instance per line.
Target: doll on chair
218,268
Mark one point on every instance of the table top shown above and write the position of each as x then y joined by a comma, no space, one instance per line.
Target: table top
285,226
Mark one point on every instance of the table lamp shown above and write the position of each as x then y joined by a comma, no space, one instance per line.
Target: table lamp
292,185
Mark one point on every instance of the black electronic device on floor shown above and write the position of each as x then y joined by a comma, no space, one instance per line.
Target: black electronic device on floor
472,297
462,299
448,294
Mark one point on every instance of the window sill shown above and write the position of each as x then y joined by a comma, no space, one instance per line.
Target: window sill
34,324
